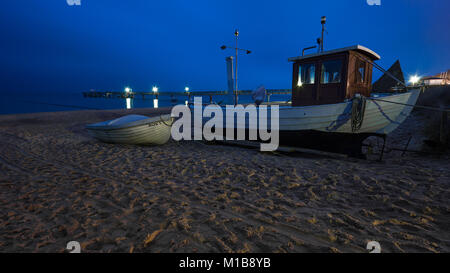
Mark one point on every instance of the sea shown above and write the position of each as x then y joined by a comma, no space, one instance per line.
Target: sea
63,101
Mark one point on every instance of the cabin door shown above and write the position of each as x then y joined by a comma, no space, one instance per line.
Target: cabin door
331,82
304,87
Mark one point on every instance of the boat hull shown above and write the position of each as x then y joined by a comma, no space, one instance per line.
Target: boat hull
380,117
150,131
328,127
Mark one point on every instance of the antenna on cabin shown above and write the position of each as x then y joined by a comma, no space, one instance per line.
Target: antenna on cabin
322,21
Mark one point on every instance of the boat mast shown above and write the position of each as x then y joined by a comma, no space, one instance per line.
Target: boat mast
322,21
236,33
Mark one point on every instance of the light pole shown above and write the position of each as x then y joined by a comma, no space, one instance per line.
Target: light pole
127,97
236,34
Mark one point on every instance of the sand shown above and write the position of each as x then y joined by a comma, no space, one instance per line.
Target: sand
57,185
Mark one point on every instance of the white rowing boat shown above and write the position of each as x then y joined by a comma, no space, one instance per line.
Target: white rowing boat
133,129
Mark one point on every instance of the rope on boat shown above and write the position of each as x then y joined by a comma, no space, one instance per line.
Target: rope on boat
413,105
358,109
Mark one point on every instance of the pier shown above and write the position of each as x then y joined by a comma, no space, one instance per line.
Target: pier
189,94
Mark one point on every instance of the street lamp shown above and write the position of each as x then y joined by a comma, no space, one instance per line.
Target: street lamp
155,99
186,89
236,34
127,98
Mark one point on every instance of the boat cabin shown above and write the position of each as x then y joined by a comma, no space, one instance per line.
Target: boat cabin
332,76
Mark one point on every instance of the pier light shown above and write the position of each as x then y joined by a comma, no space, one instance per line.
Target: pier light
155,89
414,79
186,89
127,89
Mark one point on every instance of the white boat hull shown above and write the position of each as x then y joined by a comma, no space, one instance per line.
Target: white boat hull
380,117
140,130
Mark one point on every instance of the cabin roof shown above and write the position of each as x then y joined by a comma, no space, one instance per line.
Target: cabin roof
364,50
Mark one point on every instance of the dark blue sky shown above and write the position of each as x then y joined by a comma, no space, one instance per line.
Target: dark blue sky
108,44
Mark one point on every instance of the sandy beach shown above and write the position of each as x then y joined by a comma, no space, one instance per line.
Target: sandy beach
57,184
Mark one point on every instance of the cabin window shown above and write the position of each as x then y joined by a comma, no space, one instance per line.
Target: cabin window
360,71
331,71
306,74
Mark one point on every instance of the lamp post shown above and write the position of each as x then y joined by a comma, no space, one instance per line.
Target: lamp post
127,97
155,99
236,34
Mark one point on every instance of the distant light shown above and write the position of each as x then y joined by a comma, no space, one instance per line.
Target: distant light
155,89
127,89
186,89
155,103
128,101
299,83
414,79
186,102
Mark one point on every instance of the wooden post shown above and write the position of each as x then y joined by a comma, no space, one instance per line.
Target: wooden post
443,130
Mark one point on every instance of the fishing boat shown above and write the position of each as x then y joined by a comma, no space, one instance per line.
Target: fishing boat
133,129
332,107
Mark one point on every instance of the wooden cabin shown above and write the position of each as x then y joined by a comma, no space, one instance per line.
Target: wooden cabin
332,76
